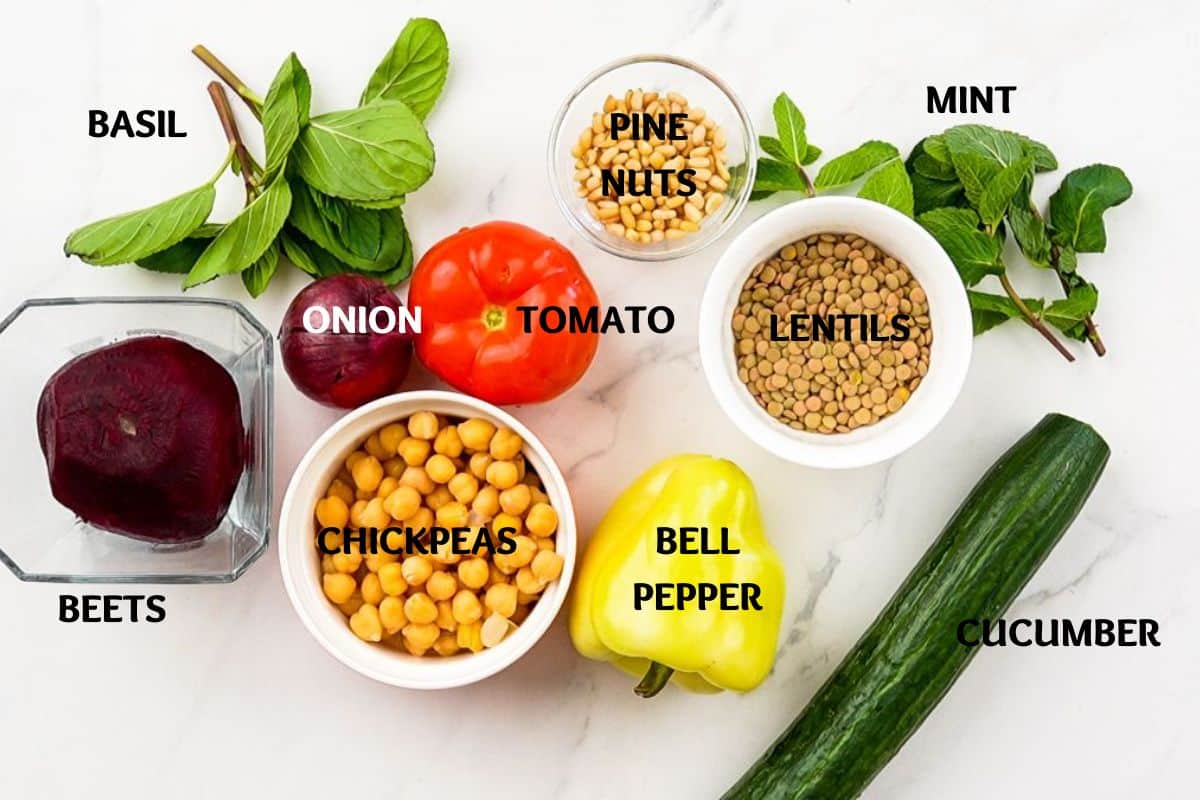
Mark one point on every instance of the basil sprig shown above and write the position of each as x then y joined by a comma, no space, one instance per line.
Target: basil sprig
328,196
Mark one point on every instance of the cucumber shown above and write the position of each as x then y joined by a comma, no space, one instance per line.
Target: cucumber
909,658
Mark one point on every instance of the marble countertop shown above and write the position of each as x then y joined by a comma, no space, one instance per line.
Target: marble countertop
230,697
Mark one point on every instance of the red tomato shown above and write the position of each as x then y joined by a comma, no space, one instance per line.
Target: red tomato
468,287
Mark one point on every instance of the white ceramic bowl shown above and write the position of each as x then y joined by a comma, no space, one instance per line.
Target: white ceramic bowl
949,313
301,567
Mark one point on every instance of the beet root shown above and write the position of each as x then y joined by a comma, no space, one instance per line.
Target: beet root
144,438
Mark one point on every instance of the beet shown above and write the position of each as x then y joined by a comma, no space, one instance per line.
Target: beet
144,438
335,367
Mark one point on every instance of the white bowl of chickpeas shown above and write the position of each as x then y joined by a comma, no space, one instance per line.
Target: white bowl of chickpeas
427,540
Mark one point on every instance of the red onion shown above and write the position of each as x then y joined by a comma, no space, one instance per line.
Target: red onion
337,367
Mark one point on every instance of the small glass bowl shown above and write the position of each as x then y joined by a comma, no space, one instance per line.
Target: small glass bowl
663,74
43,540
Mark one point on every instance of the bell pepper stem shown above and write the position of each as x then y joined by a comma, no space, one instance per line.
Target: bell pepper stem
655,679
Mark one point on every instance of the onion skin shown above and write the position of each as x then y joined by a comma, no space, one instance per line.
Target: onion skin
343,369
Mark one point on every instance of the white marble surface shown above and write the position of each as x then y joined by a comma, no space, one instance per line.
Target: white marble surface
231,697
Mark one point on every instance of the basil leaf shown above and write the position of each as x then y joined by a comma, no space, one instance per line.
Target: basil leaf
990,310
259,274
137,234
371,153
307,256
849,167
246,237
414,70
393,202
789,124
180,257
1001,189
811,155
285,112
890,186
1068,313
774,148
404,264
1043,159
776,176
1028,228
975,254
365,239
1077,208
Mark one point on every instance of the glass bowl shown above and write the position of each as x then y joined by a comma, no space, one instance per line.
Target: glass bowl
659,73
46,541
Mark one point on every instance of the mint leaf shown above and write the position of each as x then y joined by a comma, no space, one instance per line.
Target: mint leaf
1001,189
890,185
978,153
1068,260
851,166
789,124
929,194
259,274
930,167
1077,208
776,176
285,112
811,155
1043,159
1028,228
974,253
935,147
774,148
414,70
1068,313
990,310
246,237
129,237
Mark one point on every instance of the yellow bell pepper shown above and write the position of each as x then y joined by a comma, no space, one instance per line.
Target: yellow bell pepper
724,635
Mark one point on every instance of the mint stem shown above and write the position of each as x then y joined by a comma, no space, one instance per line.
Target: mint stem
252,100
1093,334
1032,318
217,92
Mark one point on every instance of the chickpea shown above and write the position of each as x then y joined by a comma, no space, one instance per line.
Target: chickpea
501,474
377,561
414,452
341,489
420,608
538,496
372,592
486,502
448,442
423,425
521,555
468,636
441,585
508,522
403,502
438,498
476,433
452,515
338,587
363,494
416,478
523,599
374,515
391,579
473,573
516,500
375,448
387,486
390,436
527,583
367,472
365,623
391,614
495,576
464,486
542,519
545,543
520,462
333,512
352,605
478,465
420,636
394,467
347,563
494,629
466,607
352,459
505,445
356,512
547,565
416,570
500,599
422,520
440,468
446,644
445,618
327,567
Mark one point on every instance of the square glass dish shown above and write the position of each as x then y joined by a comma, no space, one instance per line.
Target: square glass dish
45,541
